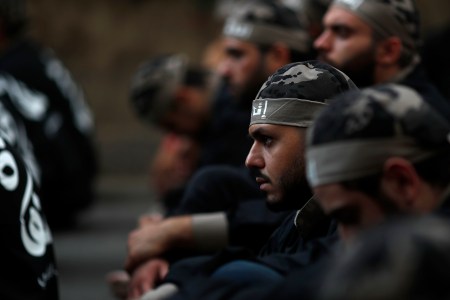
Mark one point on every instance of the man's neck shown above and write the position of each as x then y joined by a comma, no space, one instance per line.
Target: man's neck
386,74
394,73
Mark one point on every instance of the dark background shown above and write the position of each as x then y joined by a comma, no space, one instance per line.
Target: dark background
102,42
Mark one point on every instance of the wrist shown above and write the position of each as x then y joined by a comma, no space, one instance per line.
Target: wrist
179,231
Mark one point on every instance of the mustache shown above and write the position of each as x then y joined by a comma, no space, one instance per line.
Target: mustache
254,172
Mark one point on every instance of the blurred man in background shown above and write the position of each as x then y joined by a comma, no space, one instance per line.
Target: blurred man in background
376,41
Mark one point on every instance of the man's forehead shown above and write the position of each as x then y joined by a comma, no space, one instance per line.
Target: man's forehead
262,128
231,43
268,128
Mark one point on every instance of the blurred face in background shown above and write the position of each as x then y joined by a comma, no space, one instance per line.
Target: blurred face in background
352,209
189,111
243,68
348,44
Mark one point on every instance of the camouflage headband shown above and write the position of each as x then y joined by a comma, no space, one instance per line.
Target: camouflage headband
388,18
264,34
353,137
296,92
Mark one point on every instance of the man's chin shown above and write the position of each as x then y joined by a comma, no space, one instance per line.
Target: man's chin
292,200
279,206
326,60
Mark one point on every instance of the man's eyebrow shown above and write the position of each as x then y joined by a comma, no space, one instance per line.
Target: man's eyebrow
233,51
340,26
257,133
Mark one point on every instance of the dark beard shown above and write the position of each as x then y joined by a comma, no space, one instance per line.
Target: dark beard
360,69
363,76
296,190
295,197
246,97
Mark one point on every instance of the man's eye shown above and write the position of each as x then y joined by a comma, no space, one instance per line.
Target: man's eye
234,53
342,31
266,140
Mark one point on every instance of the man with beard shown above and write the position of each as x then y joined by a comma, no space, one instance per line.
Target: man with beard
394,157
259,37
377,41
372,156
282,111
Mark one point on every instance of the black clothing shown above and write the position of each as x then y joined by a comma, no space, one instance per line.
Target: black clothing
289,249
436,47
59,128
28,263
234,191
418,80
225,139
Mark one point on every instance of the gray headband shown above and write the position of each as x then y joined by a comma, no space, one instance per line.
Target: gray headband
266,34
287,111
348,160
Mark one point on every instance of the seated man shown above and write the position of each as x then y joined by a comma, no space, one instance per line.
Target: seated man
393,151
407,257
170,94
273,36
391,158
375,42
371,155
283,109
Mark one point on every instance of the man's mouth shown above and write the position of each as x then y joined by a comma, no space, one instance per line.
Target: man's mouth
262,182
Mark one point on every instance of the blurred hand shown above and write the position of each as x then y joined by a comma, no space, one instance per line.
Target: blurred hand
153,239
147,276
145,242
150,219
118,282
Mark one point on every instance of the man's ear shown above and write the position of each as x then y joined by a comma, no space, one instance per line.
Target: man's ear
277,56
389,51
400,182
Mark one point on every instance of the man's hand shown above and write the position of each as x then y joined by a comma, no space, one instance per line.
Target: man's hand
147,276
155,238
118,282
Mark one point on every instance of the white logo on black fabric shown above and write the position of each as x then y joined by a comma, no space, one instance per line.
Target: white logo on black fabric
47,275
31,104
73,93
9,176
34,230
